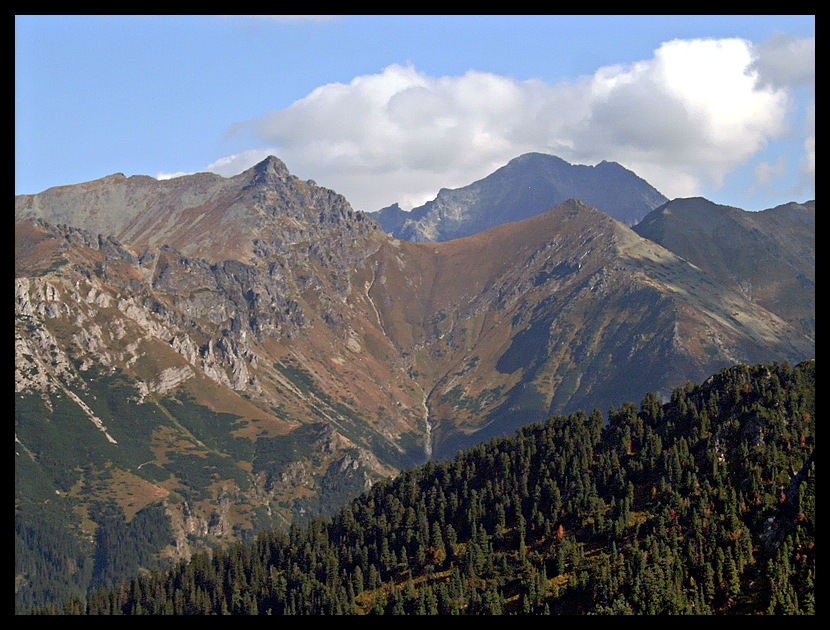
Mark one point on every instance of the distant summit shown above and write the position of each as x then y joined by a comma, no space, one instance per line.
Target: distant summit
269,171
528,185
392,218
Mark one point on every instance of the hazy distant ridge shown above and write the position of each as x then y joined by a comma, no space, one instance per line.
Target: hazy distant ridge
525,187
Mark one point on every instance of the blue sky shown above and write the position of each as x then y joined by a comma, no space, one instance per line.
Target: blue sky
386,109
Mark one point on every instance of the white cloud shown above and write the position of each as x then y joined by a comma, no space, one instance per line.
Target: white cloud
162,176
682,120
694,106
786,61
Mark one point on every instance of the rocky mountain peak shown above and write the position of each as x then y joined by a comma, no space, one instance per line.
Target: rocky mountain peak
269,171
263,209
535,158
526,186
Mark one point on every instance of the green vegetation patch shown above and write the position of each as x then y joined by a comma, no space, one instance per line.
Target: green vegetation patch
198,472
122,547
65,437
52,561
272,455
60,440
214,429
342,481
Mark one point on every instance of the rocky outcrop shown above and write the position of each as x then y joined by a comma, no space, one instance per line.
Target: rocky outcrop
170,378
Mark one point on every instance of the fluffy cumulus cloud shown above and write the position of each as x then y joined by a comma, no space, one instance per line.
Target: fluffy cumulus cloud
695,106
683,119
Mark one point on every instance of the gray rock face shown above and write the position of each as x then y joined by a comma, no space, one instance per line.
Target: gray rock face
258,213
525,187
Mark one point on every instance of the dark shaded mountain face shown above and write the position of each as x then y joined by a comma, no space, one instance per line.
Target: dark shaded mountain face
391,218
528,185
769,256
246,352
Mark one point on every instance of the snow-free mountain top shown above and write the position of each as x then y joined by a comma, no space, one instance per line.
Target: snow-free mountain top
525,187
204,214
214,356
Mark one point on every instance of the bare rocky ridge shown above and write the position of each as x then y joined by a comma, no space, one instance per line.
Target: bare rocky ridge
258,327
526,186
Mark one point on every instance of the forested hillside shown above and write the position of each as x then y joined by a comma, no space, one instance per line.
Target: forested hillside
702,505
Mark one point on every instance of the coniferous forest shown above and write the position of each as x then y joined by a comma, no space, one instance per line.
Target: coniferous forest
702,505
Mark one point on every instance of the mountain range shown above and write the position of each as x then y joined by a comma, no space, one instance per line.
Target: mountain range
231,354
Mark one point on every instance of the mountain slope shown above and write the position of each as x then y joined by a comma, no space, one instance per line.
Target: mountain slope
567,310
209,356
145,376
769,256
704,505
524,187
